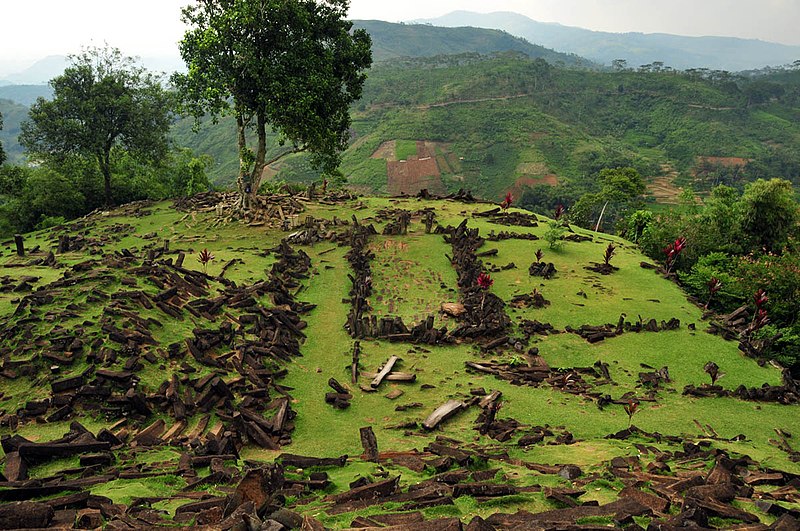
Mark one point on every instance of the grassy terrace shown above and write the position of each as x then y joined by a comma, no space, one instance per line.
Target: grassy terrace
411,278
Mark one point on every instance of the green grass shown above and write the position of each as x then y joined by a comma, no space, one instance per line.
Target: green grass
125,490
406,149
411,278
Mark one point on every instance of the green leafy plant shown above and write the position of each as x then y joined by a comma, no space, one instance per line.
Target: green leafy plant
517,361
554,235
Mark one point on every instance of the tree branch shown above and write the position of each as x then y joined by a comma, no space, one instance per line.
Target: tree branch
286,154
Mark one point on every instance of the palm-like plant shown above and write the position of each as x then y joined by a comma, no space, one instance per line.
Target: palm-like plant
714,285
484,282
631,407
204,258
609,254
506,203
673,251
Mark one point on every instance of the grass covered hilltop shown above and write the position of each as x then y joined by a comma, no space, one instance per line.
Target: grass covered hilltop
143,387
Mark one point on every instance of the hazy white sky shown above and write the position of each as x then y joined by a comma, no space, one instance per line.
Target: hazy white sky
31,29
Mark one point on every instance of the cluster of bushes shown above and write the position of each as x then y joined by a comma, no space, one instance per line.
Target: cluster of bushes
42,196
746,241
607,197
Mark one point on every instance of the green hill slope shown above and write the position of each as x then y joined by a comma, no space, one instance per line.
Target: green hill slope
391,41
13,115
499,123
123,328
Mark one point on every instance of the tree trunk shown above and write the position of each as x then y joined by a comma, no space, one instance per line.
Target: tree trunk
105,168
242,183
261,155
249,181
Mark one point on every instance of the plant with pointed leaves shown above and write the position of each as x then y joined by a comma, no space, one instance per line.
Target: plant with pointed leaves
609,254
559,212
712,369
714,285
760,298
760,320
204,258
673,251
761,317
506,203
485,281
631,407
539,255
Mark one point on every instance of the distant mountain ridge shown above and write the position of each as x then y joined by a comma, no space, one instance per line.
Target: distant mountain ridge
392,40
45,69
722,53
39,72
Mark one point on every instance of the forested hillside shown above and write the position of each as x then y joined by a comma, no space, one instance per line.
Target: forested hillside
500,122
13,114
391,41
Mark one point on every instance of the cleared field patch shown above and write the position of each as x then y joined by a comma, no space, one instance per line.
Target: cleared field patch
405,149
386,151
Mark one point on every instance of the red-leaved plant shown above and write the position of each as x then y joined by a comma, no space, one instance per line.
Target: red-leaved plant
609,254
204,258
714,285
484,282
760,299
673,251
539,255
631,407
506,203
761,317
712,369
559,212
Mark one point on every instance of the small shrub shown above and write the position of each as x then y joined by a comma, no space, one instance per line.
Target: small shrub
554,235
506,203
631,407
673,252
204,258
609,254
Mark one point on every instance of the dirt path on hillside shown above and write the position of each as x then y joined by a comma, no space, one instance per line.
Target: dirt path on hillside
476,100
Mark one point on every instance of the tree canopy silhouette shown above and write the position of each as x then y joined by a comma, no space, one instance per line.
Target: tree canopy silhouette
291,65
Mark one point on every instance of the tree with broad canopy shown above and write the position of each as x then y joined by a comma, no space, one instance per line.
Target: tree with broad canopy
291,65
101,103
